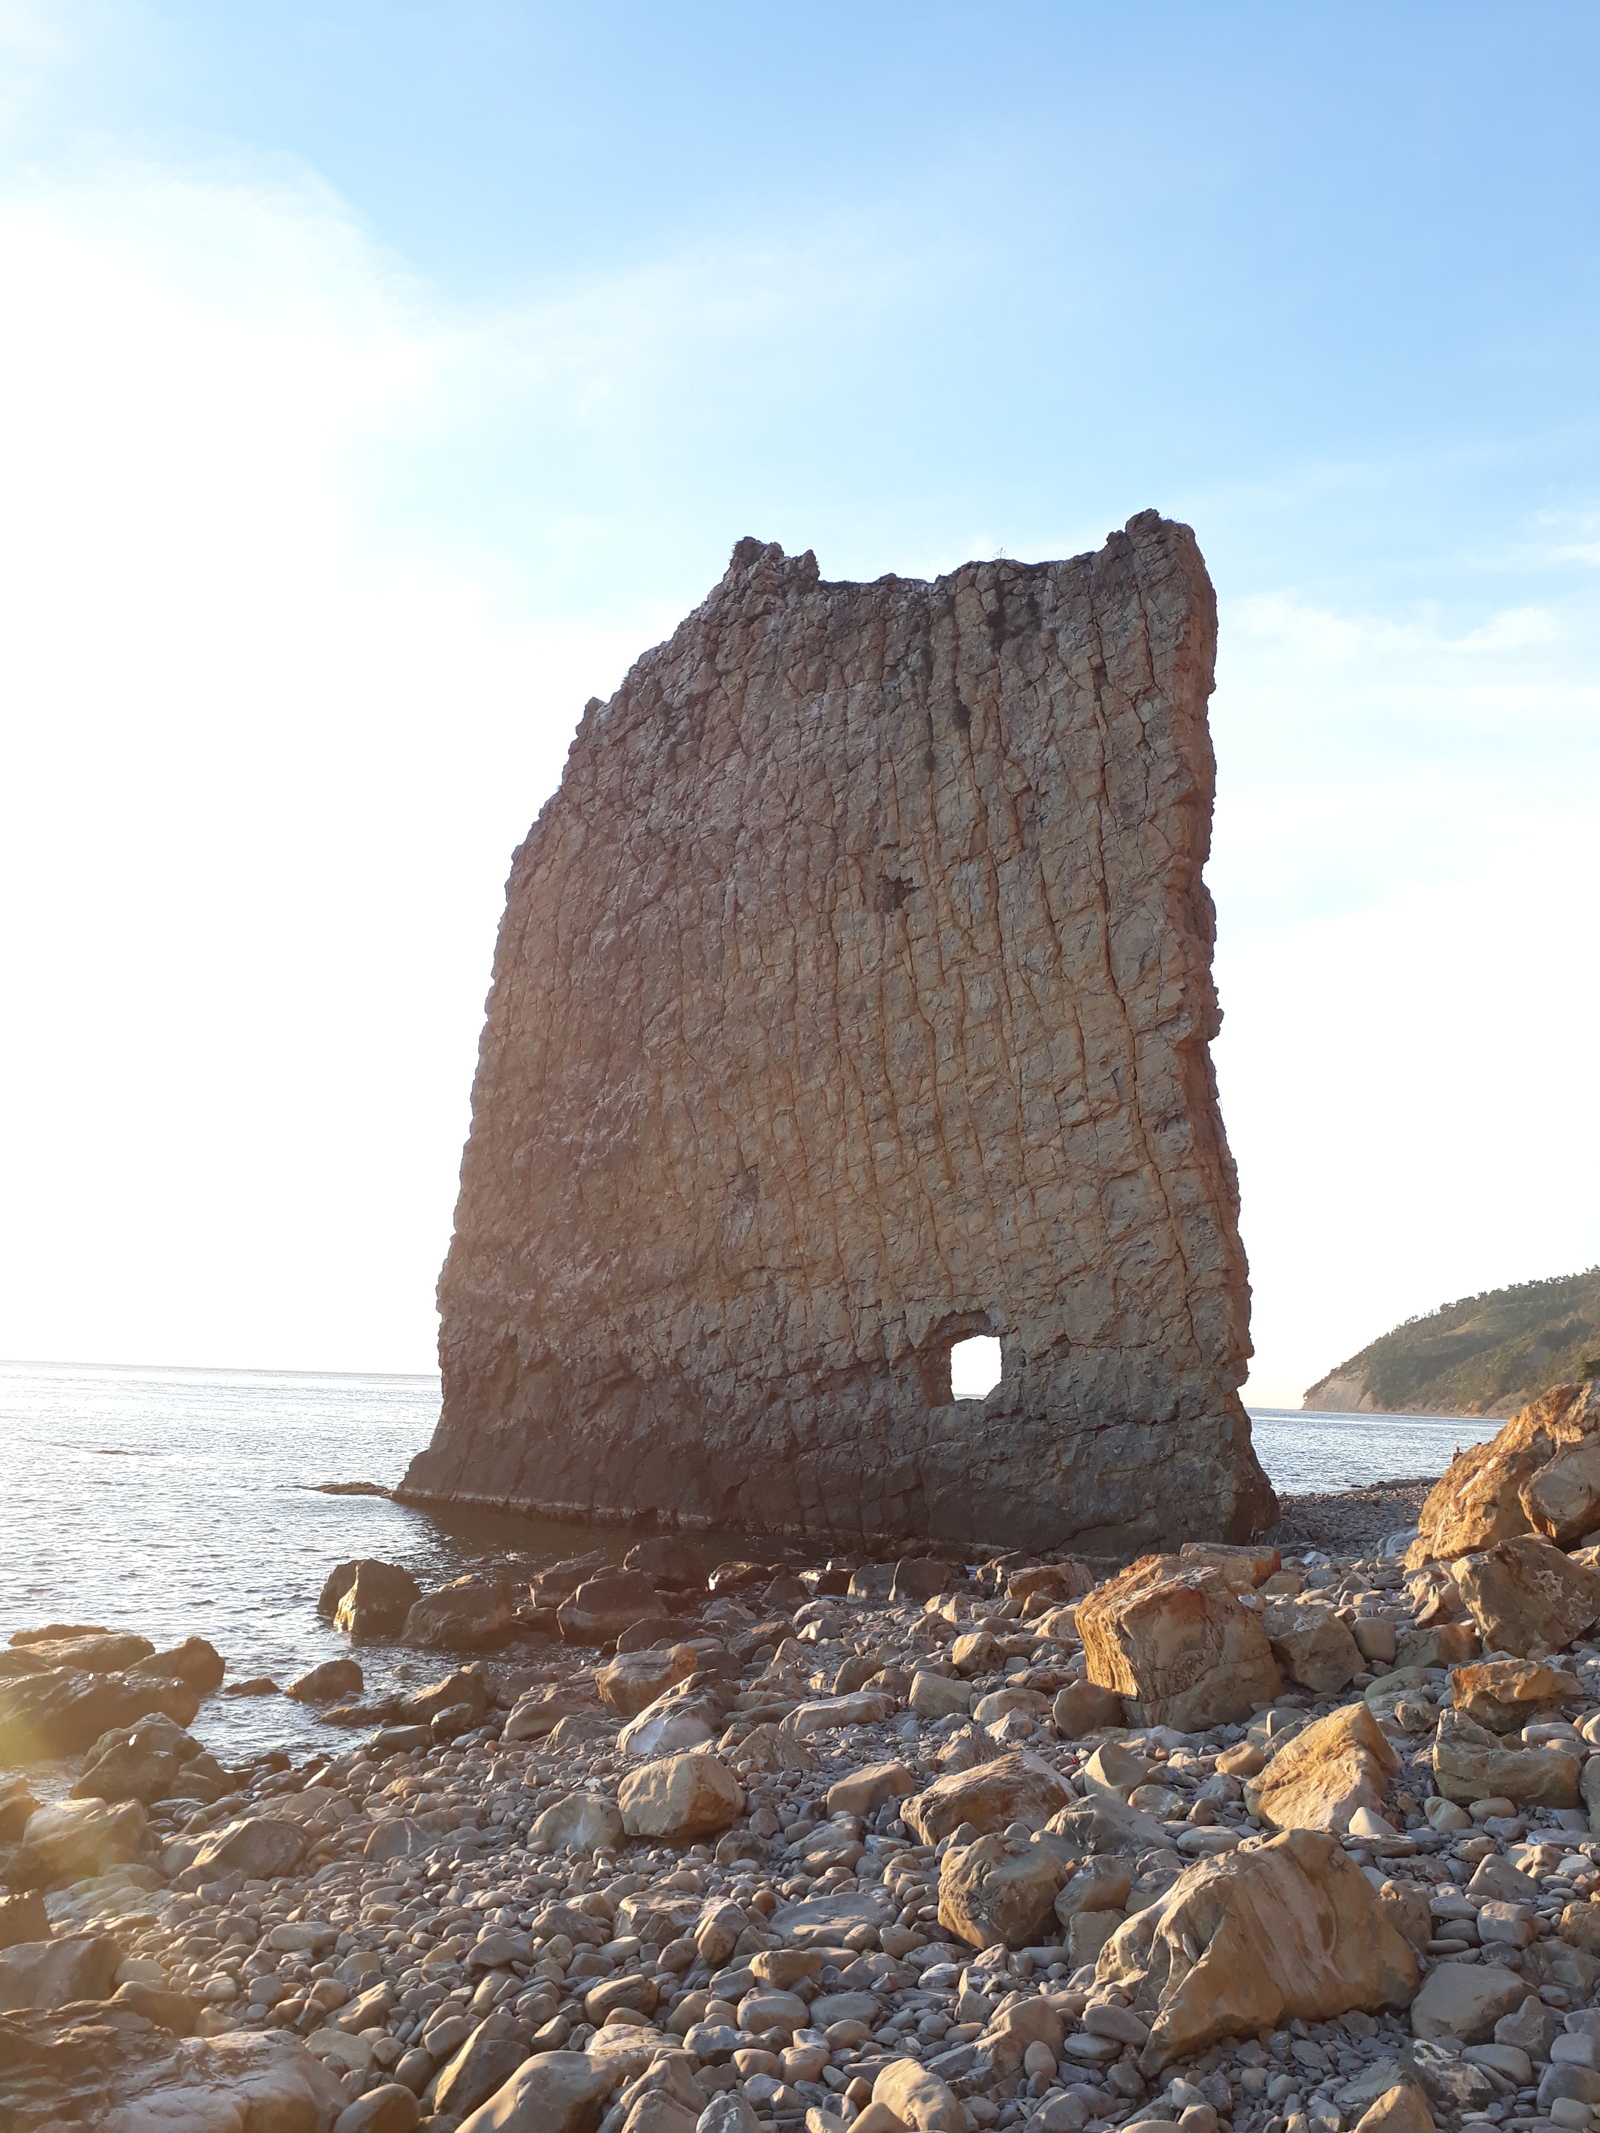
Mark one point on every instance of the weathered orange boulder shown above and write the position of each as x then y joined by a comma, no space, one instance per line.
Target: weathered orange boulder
1526,1597
1482,1496
1178,1645
1325,1774
1289,1927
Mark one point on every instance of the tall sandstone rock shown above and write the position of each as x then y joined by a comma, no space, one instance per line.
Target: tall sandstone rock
853,997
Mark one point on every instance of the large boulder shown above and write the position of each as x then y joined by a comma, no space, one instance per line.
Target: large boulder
244,2081
372,1599
666,1562
1466,2001
1012,1788
634,1680
1325,1774
1526,1597
541,1710
389,2108
261,1847
1082,1708
1563,1499
332,1682
1099,1884
343,1575
62,1712
1482,1496
17,1802
153,1760
53,1632
50,1973
680,1799
826,1714
485,2061
920,1578
1311,1645
195,1661
23,1917
1114,1770
861,1792
603,1607
673,1724
1290,1927
555,2092
999,1891
1179,1646
1243,1566
1401,2109
824,1921
1470,1763
917,2097
934,1695
582,1822
1441,1644
91,1652
1504,1694
468,1615
73,1840
466,1688
1107,1828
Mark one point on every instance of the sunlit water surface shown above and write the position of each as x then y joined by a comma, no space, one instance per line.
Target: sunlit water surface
184,1502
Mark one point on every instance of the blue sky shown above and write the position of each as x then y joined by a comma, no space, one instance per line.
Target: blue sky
384,378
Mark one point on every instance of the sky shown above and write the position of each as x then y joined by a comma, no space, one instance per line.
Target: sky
380,380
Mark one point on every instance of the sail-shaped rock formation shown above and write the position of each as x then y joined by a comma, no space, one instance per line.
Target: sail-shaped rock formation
853,997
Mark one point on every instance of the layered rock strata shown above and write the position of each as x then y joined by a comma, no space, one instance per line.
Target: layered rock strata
852,998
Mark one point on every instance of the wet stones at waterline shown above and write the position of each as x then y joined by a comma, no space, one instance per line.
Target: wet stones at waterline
511,1904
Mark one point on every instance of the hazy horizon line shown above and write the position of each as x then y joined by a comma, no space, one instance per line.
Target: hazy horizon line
241,1370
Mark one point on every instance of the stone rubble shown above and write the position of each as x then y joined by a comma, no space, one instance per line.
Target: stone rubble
931,1861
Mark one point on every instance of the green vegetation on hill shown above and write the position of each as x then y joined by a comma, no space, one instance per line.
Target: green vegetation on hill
1482,1355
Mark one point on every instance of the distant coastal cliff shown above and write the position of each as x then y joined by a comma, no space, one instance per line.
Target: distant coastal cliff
1482,1355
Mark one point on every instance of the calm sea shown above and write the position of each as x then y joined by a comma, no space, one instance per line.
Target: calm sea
184,1502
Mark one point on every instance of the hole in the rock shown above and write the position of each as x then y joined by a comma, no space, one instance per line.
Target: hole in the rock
974,1367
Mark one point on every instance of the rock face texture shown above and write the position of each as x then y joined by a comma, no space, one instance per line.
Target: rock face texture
1541,1474
853,997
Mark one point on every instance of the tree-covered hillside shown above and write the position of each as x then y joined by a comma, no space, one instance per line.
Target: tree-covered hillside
1482,1355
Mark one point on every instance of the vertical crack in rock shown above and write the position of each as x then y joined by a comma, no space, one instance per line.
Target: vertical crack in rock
854,996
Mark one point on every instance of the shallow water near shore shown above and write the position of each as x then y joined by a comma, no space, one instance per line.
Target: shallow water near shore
184,1502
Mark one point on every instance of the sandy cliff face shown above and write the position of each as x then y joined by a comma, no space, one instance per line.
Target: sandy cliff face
1340,1393
853,996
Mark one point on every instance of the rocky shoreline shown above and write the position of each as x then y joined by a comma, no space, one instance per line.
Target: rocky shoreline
1272,1838
1351,1521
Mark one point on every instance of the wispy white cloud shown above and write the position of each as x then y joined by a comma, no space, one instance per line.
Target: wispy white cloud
1327,635
309,573
1404,903
281,704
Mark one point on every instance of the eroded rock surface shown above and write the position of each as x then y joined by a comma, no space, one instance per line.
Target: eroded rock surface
1541,1474
853,997
1289,1924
